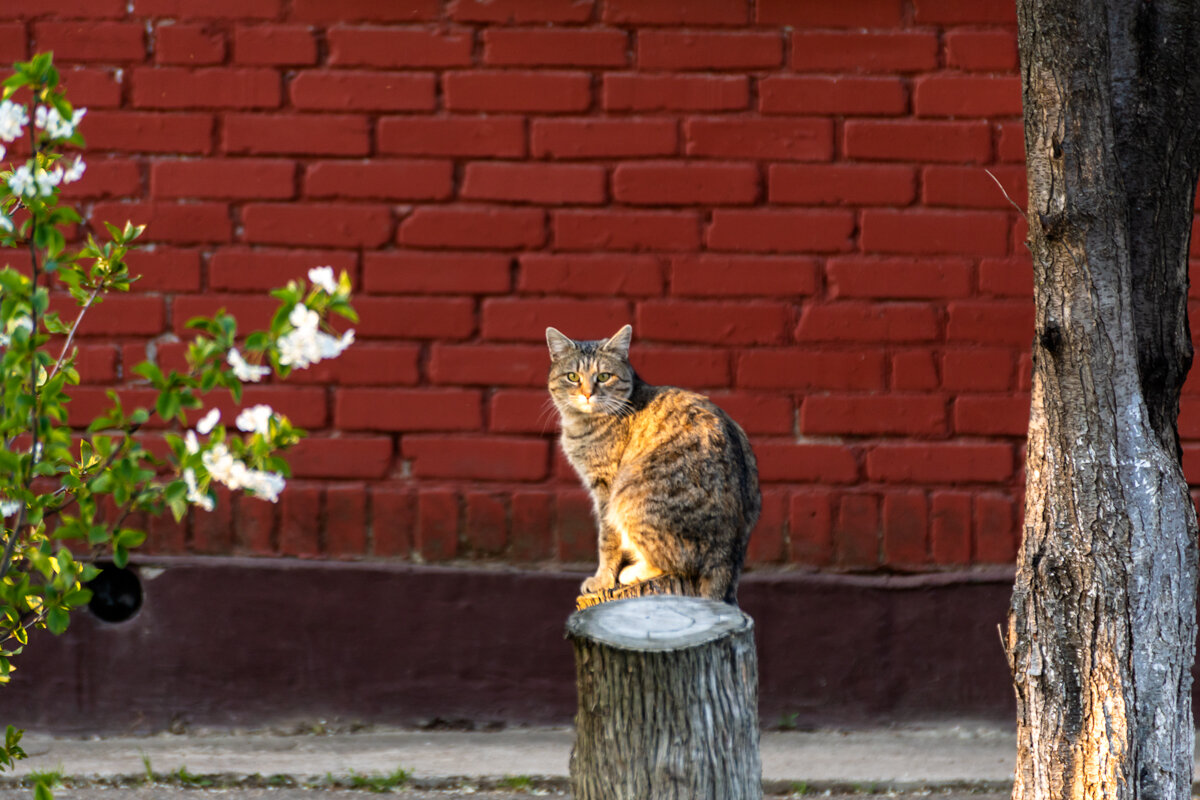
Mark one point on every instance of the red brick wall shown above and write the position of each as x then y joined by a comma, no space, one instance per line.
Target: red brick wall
787,198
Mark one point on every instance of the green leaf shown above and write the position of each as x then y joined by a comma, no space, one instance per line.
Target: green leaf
57,619
120,556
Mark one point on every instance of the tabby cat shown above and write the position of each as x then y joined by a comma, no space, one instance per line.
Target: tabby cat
673,481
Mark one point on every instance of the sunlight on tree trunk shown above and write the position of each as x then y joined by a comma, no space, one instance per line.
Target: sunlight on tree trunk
1101,632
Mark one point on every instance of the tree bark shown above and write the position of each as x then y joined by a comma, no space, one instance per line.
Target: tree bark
1101,631
668,701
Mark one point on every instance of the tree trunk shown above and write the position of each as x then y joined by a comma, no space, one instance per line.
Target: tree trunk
1101,632
668,701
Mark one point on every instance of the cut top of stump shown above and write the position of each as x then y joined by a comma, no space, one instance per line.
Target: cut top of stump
658,623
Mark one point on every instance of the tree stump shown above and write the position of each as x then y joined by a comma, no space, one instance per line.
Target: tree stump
668,701
663,584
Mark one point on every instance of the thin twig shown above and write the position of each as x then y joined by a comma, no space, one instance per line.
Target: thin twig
71,335
1004,191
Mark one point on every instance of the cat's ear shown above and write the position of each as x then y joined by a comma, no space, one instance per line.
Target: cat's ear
619,343
560,345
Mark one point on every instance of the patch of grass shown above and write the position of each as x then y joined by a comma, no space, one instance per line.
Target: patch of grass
374,782
48,778
516,783
789,721
800,788
186,778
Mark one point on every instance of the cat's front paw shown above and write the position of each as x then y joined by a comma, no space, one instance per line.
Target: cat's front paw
594,584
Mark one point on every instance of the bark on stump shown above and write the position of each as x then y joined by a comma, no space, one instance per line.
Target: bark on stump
668,701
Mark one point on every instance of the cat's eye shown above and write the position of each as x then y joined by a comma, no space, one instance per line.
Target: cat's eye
573,377
603,376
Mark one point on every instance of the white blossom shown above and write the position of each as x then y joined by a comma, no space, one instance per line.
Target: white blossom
46,181
13,119
226,469
265,485
53,122
6,224
190,442
194,495
323,277
256,419
21,183
205,425
304,345
74,173
244,371
9,507
2,152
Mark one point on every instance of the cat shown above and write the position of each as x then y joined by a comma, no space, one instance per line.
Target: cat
673,480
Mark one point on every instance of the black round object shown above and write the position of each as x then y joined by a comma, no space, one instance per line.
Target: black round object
116,593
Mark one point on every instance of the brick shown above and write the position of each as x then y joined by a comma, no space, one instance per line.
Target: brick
807,369
317,224
304,405
92,88
96,363
514,90
836,95
898,278
709,275
72,9
180,223
393,520
926,231
488,136
977,369
955,12
88,402
411,272
436,534
758,412
520,11
341,457
295,134
526,319
857,531
950,462
380,179
361,90
991,415
561,47
973,187
551,184
967,96
1010,144
856,321
574,528
782,139
488,364
388,47
365,10
744,323
165,269
913,371
995,529
905,523
873,415
989,50
135,132
531,536
676,12
684,183
967,141
260,269
207,87
667,92
483,458
251,311
255,532
188,45
766,545
346,520
208,9
111,42
107,177
415,317
685,50
486,529
623,137
1008,277
223,179
13,42
274,45
366,364
473,226
625,230
841,184
521,411
212,531
864,51
950,528
588,274
694,367
300,521
402,410
850,14
810,524
780,231
1005,322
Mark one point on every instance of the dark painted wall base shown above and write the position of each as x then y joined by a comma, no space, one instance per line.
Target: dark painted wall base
238,642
